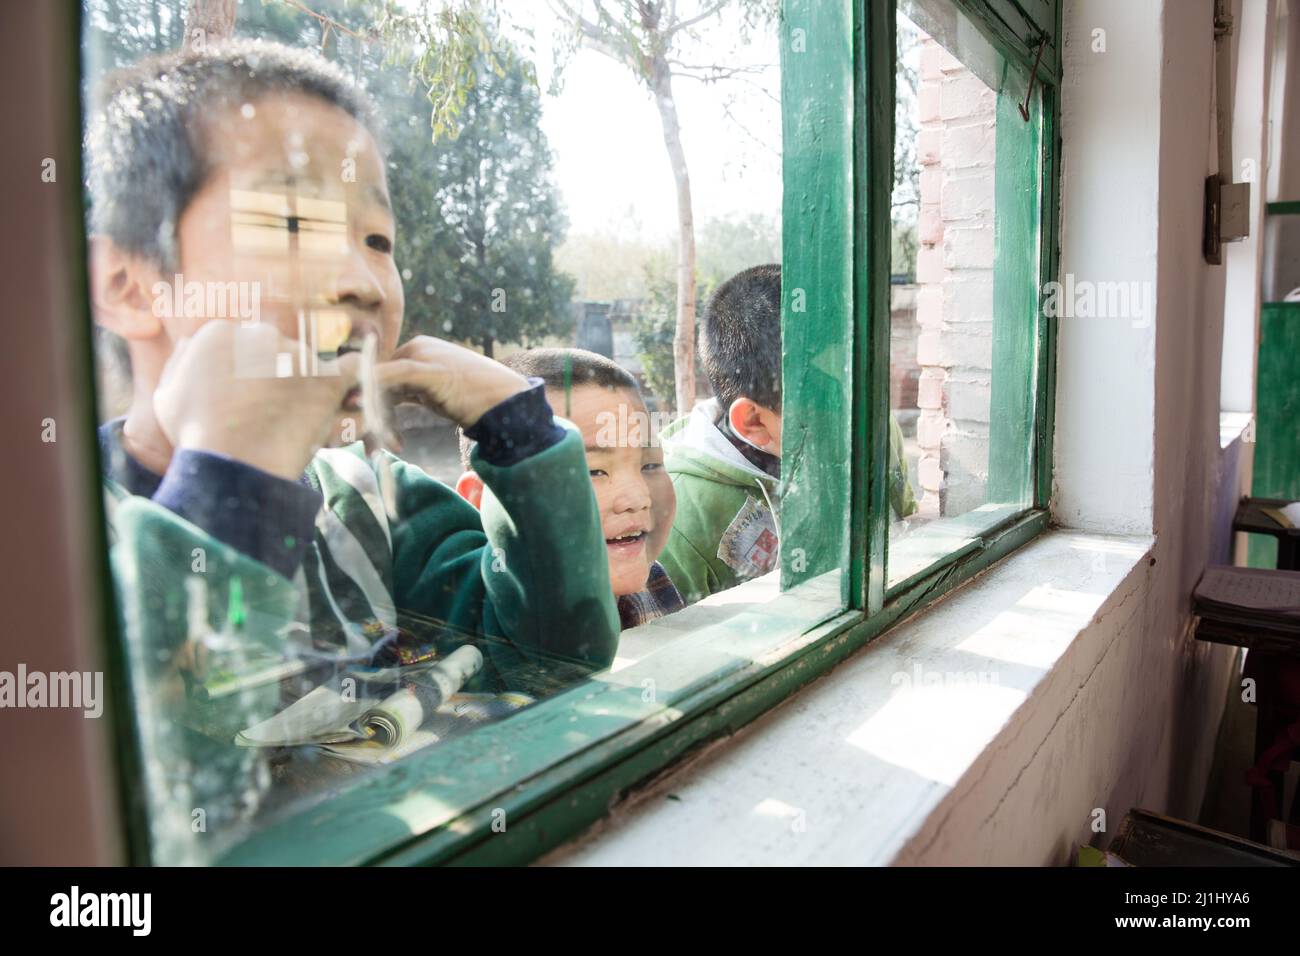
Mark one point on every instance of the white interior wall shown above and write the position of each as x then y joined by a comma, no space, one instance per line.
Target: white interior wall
1129,715
1104,443
1134,168
1254,30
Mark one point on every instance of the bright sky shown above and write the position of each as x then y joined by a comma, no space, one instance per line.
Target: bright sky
611,163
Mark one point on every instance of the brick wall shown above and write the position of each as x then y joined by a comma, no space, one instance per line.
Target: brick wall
954,273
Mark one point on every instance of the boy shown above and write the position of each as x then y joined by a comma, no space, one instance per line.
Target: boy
633,492
725,457
244,183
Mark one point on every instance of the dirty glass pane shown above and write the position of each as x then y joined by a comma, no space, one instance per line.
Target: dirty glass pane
965,236
321,244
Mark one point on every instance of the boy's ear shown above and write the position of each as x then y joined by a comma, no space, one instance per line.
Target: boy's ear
754,423
123,290
470,487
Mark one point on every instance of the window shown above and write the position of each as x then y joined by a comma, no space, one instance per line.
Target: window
963,292
355,665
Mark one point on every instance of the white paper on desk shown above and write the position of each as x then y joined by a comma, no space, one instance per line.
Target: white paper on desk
322,716
1251,589
1292,512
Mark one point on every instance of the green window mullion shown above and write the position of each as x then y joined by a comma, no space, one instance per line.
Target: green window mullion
1015,293
875,66
1049,239
817,291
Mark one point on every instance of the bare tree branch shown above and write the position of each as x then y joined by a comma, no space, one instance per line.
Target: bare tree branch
712,74
764,144
704,14
601,40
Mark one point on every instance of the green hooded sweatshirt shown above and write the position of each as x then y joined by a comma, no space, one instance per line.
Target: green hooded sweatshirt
727,523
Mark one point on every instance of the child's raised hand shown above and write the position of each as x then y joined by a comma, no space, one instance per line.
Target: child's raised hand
453,381
220,392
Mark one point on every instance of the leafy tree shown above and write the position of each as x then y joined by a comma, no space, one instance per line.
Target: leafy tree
727,245
654,325
481,222
478,217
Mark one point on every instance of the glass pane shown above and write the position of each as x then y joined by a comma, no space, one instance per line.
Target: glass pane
962,295
297,297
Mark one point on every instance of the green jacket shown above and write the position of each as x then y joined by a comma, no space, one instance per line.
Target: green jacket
724,502
526,577
713,483
527,580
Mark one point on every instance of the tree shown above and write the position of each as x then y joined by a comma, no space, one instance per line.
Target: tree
469,168
469,172
480,222
654,326
645,36
726,247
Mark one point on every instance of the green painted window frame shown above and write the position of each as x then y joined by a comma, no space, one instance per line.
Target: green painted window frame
591,744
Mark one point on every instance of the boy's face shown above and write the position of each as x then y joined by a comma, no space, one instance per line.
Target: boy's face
633,491
296,212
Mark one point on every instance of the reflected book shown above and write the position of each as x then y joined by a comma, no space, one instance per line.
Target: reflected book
377,716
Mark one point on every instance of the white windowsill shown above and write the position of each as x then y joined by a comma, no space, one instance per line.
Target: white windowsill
1233,425
853,767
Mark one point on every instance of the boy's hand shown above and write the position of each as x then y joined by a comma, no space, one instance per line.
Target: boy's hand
219,393
453,381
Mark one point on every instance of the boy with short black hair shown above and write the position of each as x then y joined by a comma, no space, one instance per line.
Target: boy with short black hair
252,170
633,492
725,457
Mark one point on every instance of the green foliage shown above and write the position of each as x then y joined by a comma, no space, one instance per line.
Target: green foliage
608,263
480,218
904,243
448,46
726,246
654,324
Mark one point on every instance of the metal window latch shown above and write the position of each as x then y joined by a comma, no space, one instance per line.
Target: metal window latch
1029,93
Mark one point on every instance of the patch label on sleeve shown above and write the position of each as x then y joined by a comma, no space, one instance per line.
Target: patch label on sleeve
749,546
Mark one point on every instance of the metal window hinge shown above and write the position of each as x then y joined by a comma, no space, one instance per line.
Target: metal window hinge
1227,204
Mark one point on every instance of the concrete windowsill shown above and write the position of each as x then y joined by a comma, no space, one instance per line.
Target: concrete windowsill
1233,425
863,766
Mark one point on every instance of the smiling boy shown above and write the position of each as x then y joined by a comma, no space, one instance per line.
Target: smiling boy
633,492
256,165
